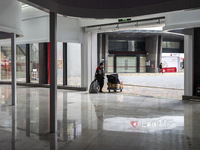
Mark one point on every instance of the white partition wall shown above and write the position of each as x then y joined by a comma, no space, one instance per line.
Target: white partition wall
10,16
74,64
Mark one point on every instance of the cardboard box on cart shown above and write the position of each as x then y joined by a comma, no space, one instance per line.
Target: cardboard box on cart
115,86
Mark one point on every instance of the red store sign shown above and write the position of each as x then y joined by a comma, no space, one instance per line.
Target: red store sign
170,69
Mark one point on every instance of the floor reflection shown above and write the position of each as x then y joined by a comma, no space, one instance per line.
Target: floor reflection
192,124
96,121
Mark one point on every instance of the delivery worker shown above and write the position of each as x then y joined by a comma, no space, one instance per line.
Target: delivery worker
99,75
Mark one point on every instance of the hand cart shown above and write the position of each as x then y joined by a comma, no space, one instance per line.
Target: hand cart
115,87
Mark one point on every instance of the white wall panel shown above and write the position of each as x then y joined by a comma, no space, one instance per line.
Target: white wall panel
10,16
69,30
74,59
29,12
182,20
35,30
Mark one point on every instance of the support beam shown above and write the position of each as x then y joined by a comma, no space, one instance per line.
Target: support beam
28,112
115,64
92,49
159,56
196,60
102,51
88,58
138,64
188,64
13,62
151,46
106,40
14,128
43,63
65,64
84,62
65,127
53,69
28,77
99,48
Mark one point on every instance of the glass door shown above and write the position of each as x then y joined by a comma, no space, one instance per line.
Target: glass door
126,64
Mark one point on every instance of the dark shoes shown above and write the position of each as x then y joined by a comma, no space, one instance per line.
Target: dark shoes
101,91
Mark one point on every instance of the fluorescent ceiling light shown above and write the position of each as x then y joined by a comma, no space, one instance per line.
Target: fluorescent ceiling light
24,5
152,28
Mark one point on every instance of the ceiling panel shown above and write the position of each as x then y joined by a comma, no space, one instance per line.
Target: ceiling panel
113,8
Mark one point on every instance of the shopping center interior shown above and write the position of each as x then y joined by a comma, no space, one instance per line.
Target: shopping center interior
49,55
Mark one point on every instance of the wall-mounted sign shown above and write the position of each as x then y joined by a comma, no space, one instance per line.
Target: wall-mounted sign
124,20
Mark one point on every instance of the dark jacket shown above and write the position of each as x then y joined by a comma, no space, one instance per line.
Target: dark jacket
99,73
160,66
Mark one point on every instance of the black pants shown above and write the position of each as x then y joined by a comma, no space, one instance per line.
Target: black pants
101,83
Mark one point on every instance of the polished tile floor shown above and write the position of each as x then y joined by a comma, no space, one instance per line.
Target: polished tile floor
107,121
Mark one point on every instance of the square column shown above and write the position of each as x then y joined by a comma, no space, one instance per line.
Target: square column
65,64
53,75
188,64
152,49
13,63
28,76
43,63
88,58
103,43
196,60
191,63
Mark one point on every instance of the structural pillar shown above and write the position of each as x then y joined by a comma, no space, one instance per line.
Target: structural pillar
196,58
28,76
53,69
88,58
65,64
188,63
92,51
191,63
106,40
65,126
152,46
103,42
99,48
84,62
14,127
28,110
159,56
43,63
13,62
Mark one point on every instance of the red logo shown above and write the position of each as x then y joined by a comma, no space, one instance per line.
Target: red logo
134,123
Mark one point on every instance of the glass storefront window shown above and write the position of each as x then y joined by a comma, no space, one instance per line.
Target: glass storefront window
126,64
5,63
34,62
60,63
73,58
164,44
171,45
21,63
175,45
110,64
142,64
74,64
